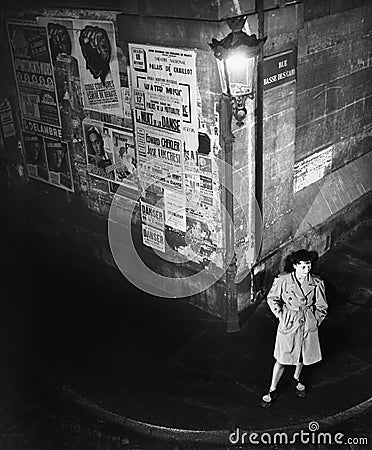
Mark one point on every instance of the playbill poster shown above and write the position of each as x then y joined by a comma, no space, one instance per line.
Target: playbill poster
152,219
164,92
91,46
110,153
34,77
48,160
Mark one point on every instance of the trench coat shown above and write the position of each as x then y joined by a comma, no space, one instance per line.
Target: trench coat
300,312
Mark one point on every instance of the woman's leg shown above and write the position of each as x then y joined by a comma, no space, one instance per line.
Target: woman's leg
298,370
299,386
277,375
278,370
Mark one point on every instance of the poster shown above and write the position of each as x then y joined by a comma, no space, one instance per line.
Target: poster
110,153
99,152
35,156
34,79
48,160
164,92
160,159
200,242
206,191
192,189
59,164
152,215
6,119
154,238
90,46
175,210
312,168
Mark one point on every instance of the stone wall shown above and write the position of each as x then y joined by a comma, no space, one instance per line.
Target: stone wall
333,126
334,91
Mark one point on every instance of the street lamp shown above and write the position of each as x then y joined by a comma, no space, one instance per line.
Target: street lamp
236,56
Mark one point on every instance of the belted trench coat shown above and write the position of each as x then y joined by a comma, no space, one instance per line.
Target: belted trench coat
300,311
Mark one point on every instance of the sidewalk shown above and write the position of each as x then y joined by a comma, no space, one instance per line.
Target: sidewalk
169,371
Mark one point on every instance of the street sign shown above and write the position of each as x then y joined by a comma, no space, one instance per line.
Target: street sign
279,69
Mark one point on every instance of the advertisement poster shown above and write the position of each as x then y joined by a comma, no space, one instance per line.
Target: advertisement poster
59,164
200,239
34,79
154,238
206,191
66,72
175,210
164,91
192,189
90,46
312,168
110,153
48,160
6,119
152,215
160,159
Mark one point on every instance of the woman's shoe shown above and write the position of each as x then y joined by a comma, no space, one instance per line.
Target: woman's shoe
267,399
299,387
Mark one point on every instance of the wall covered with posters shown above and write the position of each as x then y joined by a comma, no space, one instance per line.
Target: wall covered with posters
100,119
103,105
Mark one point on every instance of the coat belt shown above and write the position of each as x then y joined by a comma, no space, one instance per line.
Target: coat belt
298,308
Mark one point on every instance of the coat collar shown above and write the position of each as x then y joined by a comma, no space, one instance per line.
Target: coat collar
307,286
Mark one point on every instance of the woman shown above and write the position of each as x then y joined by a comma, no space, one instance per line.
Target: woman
298,300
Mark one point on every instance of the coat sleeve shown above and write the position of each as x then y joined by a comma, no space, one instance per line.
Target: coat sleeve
321,305
274,297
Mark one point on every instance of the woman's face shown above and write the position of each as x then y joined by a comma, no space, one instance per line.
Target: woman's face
95,142
302,269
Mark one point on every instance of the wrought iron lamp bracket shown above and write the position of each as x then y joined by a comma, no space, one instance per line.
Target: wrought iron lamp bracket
239,111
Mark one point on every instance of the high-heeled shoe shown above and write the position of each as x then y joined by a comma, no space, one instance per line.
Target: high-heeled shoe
267,399
300,388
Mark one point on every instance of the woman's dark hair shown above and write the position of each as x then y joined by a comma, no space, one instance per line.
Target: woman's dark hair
300,255
93,130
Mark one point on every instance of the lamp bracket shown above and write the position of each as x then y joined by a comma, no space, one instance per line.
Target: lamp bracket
239,110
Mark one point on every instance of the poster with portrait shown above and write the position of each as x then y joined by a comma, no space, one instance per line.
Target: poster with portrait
35,156
125,159
48,160
98,66
99,152
66,72
111,155
59,164
90,46
34,79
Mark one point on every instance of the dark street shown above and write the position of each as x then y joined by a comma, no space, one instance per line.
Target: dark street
186,198
66,324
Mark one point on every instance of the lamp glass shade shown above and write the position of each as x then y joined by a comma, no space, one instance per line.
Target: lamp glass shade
237,74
